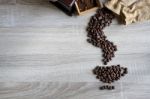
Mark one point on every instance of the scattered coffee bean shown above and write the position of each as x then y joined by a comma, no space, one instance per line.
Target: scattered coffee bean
108,87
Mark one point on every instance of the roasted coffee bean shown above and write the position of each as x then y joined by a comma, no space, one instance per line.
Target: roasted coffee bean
89,40
101,88
109,87
95,70
113,87
122,74
125,72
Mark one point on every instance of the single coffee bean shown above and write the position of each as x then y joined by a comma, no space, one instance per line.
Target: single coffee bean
113,87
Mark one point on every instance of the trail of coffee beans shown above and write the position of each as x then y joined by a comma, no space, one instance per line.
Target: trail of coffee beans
97,38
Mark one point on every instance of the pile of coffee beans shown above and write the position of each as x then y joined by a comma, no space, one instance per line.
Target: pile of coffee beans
108,87
109,74
96,36
86,4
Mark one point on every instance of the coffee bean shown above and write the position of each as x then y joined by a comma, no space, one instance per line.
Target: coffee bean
122,74
113,87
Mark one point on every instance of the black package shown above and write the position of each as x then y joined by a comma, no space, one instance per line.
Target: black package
66,6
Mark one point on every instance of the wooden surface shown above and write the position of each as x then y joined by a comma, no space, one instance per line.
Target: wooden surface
44,55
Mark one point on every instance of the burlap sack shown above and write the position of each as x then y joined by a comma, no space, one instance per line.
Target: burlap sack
130,10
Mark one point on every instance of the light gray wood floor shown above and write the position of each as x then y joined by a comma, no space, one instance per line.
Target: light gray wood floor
44,55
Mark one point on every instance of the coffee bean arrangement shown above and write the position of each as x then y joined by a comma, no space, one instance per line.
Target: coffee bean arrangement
109,74
96,36
108,87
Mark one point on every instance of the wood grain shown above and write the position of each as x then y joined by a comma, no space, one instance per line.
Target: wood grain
44,55
80,90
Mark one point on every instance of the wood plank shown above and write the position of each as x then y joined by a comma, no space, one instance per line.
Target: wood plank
44,55
21,15
32,2
7,1
24,1
68,68
70,40
34,50
80,90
